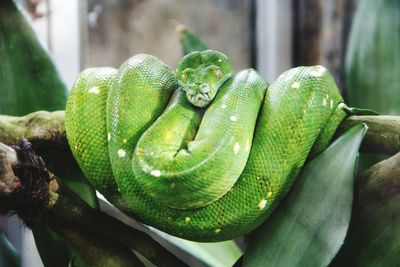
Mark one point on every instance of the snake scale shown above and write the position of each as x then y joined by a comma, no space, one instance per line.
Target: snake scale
201,153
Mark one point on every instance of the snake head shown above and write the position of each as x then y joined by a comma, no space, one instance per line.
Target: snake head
201,74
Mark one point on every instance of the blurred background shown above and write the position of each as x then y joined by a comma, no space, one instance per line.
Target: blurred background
270,36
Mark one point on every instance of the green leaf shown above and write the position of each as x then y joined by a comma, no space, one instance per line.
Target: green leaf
213,254
8,255
29,80
374,239
190,42
373,56
309,226
53,250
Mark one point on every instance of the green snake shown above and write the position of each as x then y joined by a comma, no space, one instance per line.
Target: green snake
201,153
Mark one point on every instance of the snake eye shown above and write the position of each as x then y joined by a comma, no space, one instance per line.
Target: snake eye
218,73
184,77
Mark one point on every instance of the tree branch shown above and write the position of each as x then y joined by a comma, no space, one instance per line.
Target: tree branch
379,183
383,135
46,129
80,225
8,181
70,208
42,129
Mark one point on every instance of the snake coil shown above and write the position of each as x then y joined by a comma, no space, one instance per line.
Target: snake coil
202,154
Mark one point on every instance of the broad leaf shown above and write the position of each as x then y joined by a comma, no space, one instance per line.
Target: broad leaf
8,255
53,250
190,42
29,80
374,239
373,56
309,226
213,254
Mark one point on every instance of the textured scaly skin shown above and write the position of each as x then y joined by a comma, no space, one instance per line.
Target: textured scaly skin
205,174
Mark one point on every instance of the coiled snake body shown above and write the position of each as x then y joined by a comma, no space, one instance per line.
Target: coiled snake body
200,153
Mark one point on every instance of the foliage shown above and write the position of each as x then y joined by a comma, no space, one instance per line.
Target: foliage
309,227
8,255
373,56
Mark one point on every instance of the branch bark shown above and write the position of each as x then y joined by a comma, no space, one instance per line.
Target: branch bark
378,184
42,129
8,181
98,237
383,135
46,129
73,219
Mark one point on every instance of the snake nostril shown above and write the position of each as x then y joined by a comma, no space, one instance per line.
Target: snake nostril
204,88
191,91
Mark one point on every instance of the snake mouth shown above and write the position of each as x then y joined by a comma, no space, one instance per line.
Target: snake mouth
200,95
200,99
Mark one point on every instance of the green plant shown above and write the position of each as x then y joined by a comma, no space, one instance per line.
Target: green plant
307,229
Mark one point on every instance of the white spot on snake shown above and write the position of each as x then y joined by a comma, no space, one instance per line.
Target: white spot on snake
342,105
236,148
316,73
280,76
121,153
295,85
262,204
124,141
109,136
217,230
247,146
223,106
233,118
94,90
155,173
76,147
331,103
324,102
187,219
219,60
119,190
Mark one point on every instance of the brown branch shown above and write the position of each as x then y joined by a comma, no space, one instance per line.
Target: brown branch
69,207
95,250
42,129
8,181
46,129
379,183
383,135
80,225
